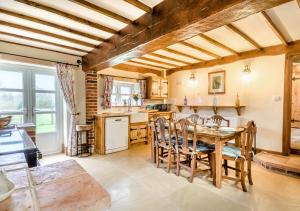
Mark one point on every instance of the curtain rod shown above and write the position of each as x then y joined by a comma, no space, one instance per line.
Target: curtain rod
47,60
122,77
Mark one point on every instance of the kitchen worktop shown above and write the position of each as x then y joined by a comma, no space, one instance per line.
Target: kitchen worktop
59,186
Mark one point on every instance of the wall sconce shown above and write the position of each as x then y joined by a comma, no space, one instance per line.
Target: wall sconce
192,77
247,69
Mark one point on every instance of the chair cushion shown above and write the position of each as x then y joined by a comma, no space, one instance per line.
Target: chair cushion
230,151
200,148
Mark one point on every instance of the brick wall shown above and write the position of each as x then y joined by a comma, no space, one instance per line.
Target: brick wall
91,99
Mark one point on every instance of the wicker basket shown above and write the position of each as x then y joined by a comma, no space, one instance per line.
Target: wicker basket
4,121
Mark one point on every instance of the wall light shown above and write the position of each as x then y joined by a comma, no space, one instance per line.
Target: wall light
247,73
192,77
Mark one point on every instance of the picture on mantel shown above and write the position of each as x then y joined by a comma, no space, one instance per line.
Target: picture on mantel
216,82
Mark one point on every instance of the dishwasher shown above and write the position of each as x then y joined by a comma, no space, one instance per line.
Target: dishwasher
116,134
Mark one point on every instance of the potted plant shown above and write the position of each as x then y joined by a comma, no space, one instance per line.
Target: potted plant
136,98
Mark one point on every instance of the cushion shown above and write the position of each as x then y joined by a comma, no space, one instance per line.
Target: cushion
200,147
230,151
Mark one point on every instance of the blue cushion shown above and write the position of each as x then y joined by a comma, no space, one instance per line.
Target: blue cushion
200,147
232,151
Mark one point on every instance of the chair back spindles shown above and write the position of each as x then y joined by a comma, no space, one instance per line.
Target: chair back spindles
248,138
182,133
218,119
160,131
196,119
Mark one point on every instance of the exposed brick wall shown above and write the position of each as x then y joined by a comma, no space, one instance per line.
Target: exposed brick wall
91,99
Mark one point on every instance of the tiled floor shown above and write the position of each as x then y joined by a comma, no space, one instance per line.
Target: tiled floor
134,183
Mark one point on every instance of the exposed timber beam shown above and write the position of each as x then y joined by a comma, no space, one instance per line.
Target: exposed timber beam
37,31
150,65
53,25
169,58
274,28
267,51
132,68
182,54
158,62
67,15
42,41
40,48
298,1
200,49
172,21
101,10
216,43
140,5
243,35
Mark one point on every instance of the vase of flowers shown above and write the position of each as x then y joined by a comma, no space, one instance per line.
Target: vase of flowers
135,98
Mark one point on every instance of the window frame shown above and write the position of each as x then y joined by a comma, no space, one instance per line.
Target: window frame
134,88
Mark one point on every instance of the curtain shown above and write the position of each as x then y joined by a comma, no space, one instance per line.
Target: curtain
142,84
65,74
108,86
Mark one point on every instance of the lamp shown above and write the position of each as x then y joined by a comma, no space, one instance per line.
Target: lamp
192,77
247,69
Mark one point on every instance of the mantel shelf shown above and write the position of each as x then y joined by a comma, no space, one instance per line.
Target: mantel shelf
214,108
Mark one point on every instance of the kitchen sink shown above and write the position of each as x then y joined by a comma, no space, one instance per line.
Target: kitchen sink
138,117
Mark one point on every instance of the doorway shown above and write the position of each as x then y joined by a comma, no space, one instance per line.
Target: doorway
32,95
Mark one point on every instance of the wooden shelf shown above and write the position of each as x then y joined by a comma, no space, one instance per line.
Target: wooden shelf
214,108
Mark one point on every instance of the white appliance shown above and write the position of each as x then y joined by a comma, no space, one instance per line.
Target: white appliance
116,134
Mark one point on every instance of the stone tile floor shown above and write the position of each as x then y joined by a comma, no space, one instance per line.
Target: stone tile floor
134,183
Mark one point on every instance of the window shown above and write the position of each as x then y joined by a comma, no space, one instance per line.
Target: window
123,91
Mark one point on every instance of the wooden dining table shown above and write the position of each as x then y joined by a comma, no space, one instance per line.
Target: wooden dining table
218,138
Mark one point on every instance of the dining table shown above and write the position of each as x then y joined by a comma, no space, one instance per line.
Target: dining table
218,136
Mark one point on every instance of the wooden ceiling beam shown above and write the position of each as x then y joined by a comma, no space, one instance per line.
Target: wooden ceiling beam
172,21
158,62
101,10
169,58
243,35
298,1
274,28
150,65
31,46
216,43
67,15
267,51
43,41
25,28
53,25
140,5
200,49
183,54
132,68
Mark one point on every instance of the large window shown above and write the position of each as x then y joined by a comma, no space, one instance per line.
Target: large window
123,91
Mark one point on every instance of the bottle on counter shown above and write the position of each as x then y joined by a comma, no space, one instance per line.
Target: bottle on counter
185,101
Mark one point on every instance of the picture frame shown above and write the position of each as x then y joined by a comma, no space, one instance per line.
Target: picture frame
217,82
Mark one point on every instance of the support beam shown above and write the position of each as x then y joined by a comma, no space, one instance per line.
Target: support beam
200,49
158,62
53,25
140,5
132,68
298,1
67,15
268,51
243,35
216,43
169,58
172,21
25,28
43,42
101,10
274,28
183,54
150,65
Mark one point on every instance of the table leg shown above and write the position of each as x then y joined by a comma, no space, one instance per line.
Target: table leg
237,164
218,163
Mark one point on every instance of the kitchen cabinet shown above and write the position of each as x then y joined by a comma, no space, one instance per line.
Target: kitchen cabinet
157,88
138,132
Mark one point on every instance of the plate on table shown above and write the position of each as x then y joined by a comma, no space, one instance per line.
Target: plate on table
211,125
227,129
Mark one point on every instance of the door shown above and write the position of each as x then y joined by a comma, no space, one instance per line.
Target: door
31,95
155,88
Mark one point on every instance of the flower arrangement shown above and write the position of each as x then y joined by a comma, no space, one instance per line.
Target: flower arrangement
135,97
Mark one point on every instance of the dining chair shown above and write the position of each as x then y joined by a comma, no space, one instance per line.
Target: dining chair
163,142
190,151
196,119
218,119
241,155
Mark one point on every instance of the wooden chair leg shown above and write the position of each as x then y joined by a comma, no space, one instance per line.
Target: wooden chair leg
169,160
243,175
193,168
157,156
177,164
162,154
249,172
210,157
226,167
213,167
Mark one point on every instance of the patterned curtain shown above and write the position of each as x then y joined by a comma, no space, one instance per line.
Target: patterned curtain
142,84
108,86
65,74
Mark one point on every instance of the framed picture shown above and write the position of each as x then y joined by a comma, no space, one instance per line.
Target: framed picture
216,82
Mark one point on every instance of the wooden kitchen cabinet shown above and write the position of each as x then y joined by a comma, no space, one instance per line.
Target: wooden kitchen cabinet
138,132
157,88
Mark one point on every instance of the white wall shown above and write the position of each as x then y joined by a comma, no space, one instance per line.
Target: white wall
256,93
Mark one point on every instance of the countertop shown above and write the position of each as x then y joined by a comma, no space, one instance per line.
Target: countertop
59,186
